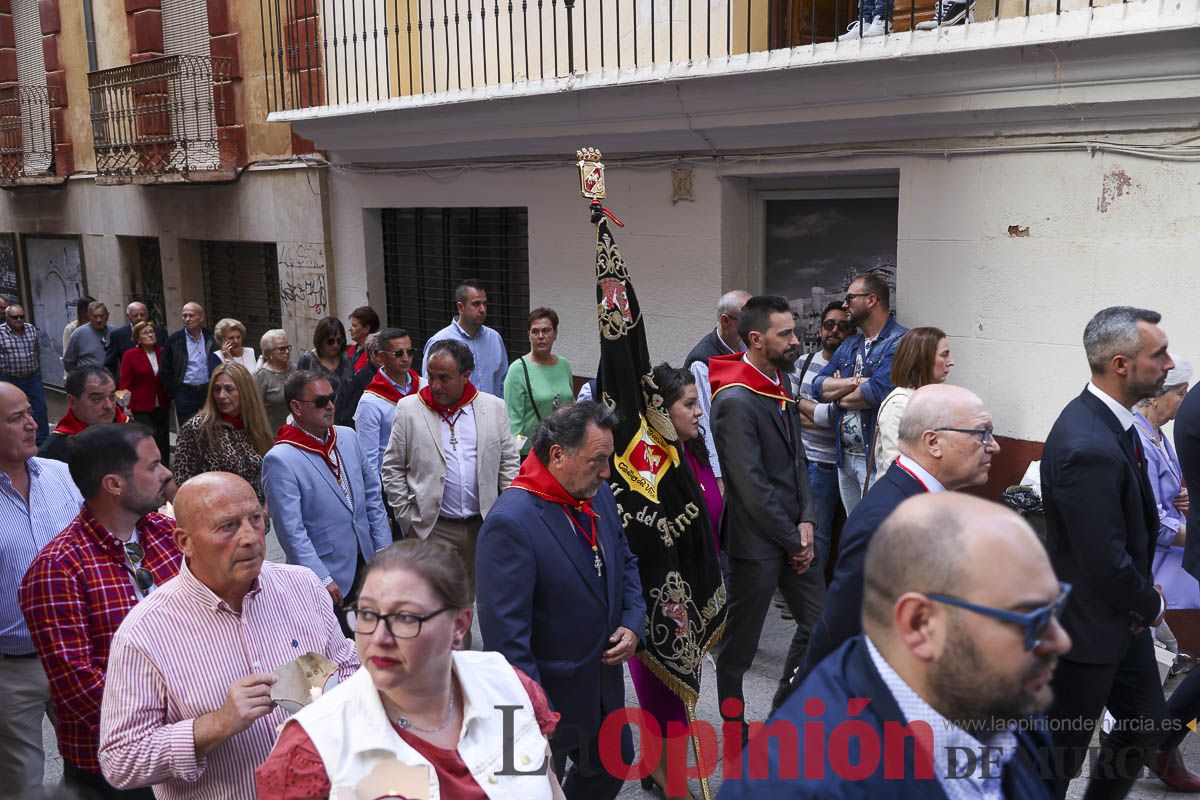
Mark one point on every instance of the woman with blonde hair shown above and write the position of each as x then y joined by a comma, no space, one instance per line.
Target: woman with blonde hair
922,356
230,432
230,335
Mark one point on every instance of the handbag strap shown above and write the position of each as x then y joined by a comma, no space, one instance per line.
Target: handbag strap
529,388
804,370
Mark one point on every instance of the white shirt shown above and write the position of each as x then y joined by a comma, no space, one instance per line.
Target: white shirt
460,495
931,483
948,738
1123,414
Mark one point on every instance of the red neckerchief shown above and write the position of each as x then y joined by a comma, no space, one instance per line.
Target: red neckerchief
536,479
70,425
382,386
426,395
912,475
358,358
236,422
733,370
290,434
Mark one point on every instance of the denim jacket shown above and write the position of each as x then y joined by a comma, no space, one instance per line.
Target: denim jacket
877,368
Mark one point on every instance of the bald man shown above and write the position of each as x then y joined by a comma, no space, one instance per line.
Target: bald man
184,368
218,630
956,654
946,444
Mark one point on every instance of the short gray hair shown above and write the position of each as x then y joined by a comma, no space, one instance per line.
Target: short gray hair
568,427
731,303
270,338
372,345
1113,332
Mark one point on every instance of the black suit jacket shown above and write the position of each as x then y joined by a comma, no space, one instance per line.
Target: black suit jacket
841,619
121,341
767,491
175,359
1187,447
1101,522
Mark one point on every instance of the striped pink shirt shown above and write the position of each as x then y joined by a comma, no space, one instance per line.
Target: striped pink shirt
173,659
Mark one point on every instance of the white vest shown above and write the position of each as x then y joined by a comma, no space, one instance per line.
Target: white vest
352,734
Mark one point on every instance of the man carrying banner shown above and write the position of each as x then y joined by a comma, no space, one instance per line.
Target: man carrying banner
767,530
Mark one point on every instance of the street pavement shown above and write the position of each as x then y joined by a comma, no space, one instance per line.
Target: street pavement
760,686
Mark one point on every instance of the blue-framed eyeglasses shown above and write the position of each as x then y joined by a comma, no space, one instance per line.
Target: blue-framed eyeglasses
1033,624
986,435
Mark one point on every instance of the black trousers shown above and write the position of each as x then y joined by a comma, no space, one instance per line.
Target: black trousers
588,779
188,400
1130,689
90,786
752,584
1183,707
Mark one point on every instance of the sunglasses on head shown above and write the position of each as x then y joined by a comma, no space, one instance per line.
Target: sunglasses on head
844,325
320,401
135,554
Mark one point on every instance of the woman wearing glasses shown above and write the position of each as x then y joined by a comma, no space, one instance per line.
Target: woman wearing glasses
328,354
399,720
273,370
229,433
539,381
922,356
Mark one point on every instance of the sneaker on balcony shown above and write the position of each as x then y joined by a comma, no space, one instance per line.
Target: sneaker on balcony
948,13
878,27
856,30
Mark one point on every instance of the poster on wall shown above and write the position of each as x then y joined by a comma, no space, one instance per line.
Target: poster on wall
814,247
10,287
54,269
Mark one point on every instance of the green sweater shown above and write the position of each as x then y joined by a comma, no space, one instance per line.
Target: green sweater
552,388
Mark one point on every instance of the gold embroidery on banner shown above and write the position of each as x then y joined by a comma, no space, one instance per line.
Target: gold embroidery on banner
675,624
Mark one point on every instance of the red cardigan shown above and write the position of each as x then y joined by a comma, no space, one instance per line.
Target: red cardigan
138,377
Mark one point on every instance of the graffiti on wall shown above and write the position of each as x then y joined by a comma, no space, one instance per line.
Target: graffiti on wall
302,288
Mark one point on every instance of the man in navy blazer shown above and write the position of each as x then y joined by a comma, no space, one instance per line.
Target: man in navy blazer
949,679
326,503
941,449
1101,528
122,337
558,587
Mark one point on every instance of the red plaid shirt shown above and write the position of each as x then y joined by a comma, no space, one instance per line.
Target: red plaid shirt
77,591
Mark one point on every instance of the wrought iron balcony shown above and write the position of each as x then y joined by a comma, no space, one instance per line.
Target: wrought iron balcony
27,135
159,120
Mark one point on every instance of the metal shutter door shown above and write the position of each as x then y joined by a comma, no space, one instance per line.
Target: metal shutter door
241,280
427,252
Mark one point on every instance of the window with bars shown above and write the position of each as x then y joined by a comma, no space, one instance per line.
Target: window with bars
148,280
241,280
427,252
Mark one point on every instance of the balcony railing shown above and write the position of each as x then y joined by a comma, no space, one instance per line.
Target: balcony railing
159,119
26,133
337,52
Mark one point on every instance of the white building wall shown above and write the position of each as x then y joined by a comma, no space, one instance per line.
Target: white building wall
1087,231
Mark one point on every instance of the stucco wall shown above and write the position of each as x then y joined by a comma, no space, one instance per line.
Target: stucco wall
1087,231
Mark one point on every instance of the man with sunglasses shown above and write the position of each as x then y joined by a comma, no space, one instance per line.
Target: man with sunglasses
21,363
326,502
956,656
87,579
396,379
1101,528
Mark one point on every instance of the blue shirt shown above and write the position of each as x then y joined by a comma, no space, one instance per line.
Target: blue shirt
197,366
491,358
25,528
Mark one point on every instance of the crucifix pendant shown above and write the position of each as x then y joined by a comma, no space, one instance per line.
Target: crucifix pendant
598,564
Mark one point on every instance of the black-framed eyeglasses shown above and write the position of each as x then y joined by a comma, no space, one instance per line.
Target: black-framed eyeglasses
283,348
320,401
851,295
404,351
135,554
845,325
1033,624
986,435
16,316
401,625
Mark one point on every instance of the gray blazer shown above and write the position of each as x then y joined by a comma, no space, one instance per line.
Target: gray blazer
767,492
414,466
315,525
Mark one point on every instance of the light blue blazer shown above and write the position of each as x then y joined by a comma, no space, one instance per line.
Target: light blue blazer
309,512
